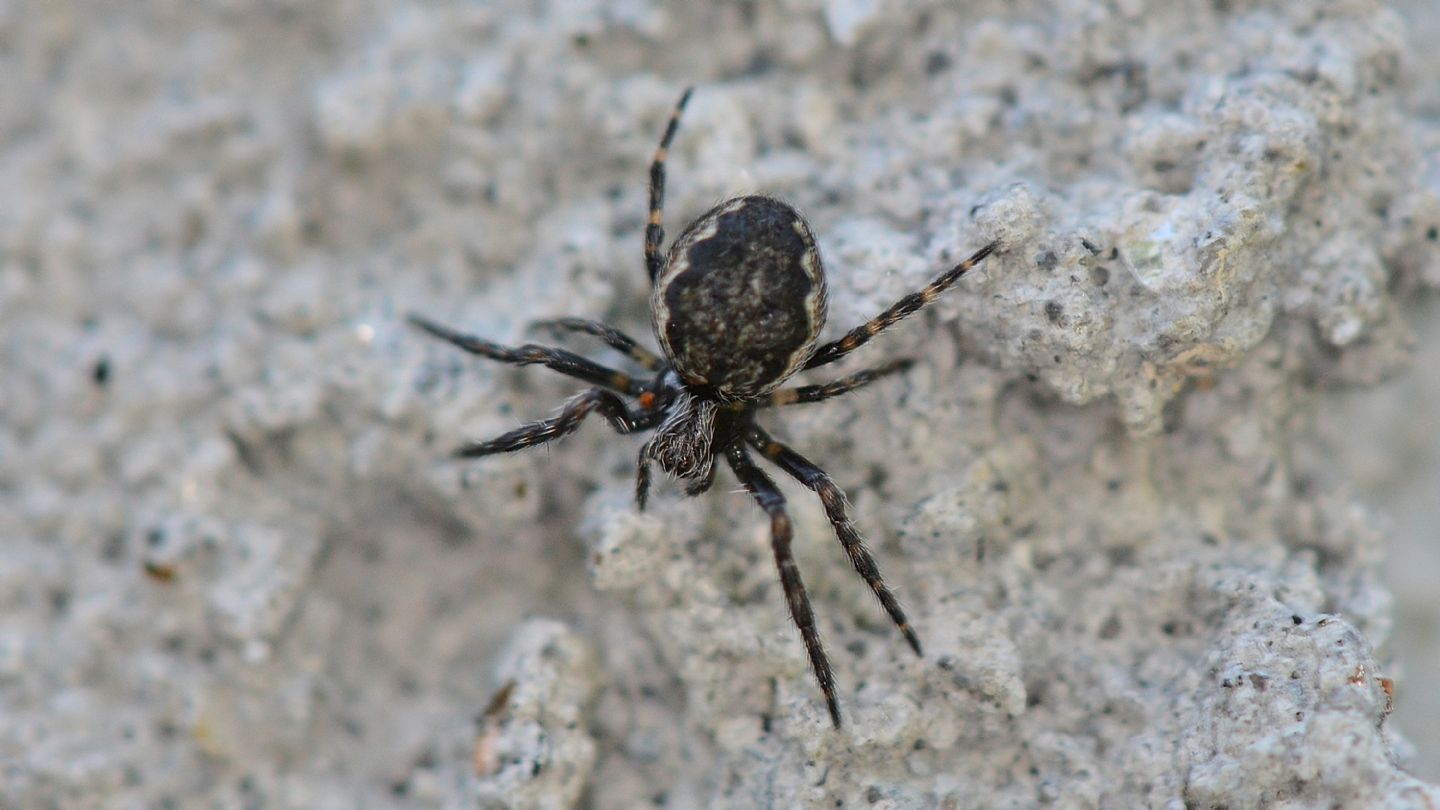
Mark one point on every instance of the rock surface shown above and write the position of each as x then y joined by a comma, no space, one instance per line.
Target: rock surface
1116,493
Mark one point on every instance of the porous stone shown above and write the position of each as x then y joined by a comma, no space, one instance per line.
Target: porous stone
1116,493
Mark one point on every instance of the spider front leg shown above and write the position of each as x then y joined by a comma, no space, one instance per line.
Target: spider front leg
767,495
834,501
898,311
567,363
612,407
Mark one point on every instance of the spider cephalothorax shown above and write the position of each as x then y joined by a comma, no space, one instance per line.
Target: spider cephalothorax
738,305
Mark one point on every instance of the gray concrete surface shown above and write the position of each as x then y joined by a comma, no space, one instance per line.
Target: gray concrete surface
1130,494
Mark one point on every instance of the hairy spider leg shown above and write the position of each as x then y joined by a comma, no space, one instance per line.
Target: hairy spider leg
572,413
767,495
901,309
654,229
802,394
566,363
609,335
835,503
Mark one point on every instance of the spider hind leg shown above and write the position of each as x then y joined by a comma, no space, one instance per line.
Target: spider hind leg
898,311
654,227
607,334
802,394
567,363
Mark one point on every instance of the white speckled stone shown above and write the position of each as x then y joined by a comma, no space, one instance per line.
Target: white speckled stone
1125,494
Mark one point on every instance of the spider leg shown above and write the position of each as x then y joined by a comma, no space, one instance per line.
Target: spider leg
567,363
609,335
833,499
654,229
901,309
768,496
814,393
571,415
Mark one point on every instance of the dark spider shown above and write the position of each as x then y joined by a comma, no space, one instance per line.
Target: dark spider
737,306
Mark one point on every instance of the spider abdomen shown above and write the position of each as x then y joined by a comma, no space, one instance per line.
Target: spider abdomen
739,305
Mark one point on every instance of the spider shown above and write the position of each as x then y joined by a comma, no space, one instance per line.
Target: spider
737,304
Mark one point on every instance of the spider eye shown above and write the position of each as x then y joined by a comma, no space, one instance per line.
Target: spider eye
647,400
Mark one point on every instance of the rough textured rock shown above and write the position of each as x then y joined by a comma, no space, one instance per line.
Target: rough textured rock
1116,494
